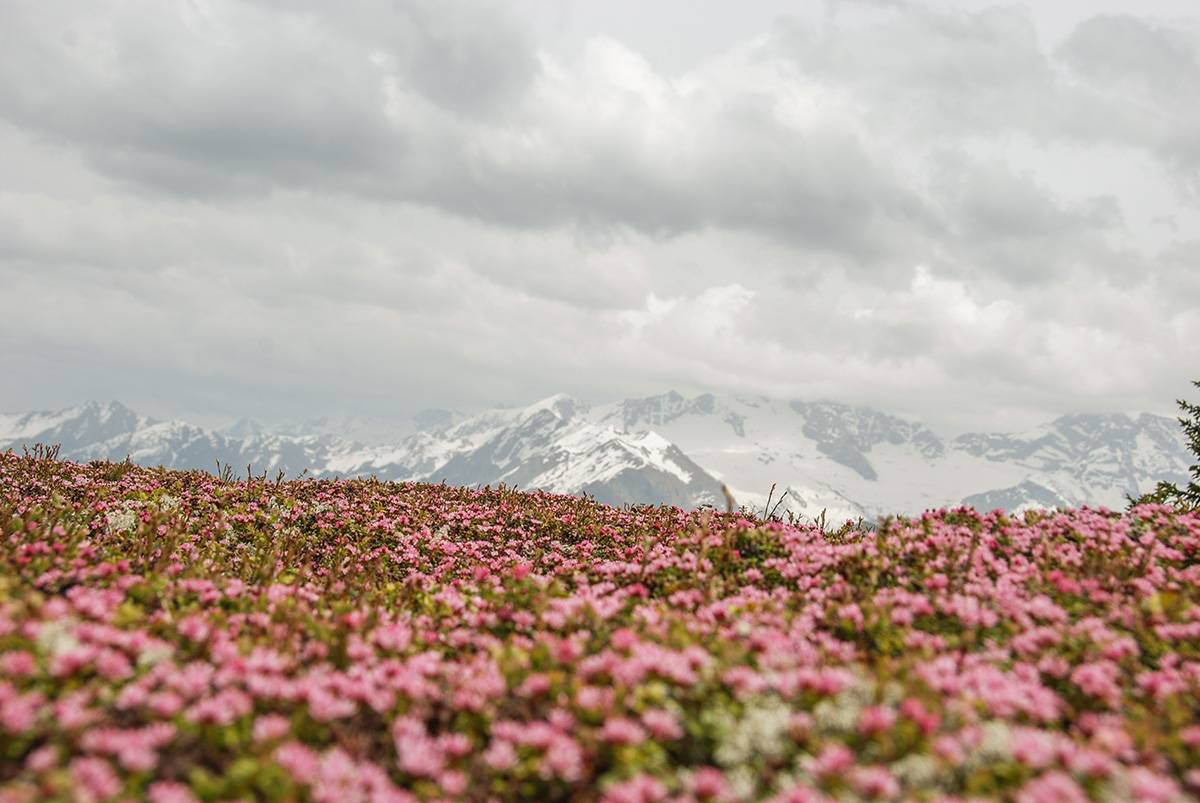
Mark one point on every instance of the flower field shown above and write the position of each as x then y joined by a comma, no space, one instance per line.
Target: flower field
172,636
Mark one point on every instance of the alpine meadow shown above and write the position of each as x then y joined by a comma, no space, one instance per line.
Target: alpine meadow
599,401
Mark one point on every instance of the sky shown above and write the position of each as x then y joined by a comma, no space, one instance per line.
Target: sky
980,216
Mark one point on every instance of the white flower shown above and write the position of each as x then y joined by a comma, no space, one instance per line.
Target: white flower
841,713
743,782
57,638
120,521
837,715
916,771
994,747
761,731
155,654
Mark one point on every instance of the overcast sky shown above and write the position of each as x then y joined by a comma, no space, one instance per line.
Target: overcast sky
976,215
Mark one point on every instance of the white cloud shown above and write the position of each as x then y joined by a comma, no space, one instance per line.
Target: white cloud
420,203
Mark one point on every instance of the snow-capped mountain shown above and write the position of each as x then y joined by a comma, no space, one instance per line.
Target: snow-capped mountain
847,461
111,431
855,461
360,429
74,428
549,445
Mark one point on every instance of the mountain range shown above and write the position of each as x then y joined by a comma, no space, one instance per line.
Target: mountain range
820,456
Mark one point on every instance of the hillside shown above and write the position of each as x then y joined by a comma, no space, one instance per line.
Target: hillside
171,636
848,461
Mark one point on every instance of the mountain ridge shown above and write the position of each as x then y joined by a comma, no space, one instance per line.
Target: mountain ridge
824,455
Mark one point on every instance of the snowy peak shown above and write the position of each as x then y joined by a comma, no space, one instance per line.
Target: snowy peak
653,412
1071,438
847,434
435,420
854,459
552,445
1084,444
243,428
559,405
1024,496
821,455
1090,457
72,427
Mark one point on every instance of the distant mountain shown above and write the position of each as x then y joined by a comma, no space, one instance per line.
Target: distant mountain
549,445
855,461
112,431
848,461
74,428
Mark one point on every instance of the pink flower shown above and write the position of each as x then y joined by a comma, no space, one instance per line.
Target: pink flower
800,725
165,703
594,698
19,714
136,758
270,727
43,759
456,745
1147,785
622,731
926,720
662,724
94,779
500,755
1087,761
1052,787
800,794
18,664
416,753
874,782
194,628
1033,748
535,685
623,639
1191,736
453,782
170,792
563,759
72,711
949,749
1099,679
113,665
638,789
298,760
708,783
834,759
876,719
223,708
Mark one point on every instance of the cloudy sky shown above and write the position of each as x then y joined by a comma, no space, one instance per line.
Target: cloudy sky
978,215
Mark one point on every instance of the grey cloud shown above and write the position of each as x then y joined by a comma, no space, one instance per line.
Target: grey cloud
931,75
192,104
1008,225
416,204
930,72
1148,77
468,56
265,101
1127,50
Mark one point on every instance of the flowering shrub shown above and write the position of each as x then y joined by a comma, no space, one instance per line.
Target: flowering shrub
172,636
